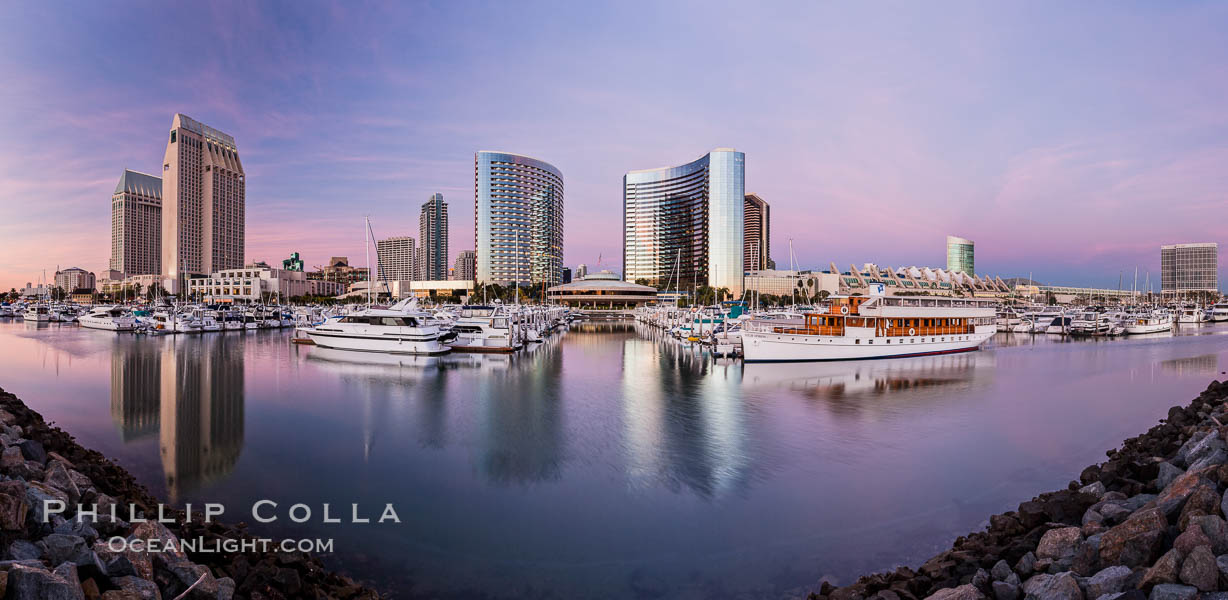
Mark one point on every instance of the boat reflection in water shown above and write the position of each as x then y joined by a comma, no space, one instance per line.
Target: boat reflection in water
1205,364
838,380
191,395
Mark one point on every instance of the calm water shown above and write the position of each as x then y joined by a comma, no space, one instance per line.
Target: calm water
606,463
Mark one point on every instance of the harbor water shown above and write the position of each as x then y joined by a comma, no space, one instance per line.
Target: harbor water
607,462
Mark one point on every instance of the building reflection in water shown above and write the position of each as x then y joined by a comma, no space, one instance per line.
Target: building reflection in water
1206,364
520,416
190,391
684,418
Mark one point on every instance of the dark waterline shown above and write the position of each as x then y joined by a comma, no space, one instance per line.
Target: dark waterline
605,463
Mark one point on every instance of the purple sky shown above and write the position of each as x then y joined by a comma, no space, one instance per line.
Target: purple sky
1068,140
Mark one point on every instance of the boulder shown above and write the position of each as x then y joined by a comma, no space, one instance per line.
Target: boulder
1168,472
1216,530
1200,570
13,505
1204,500
1026,564
1191,538
1172,499
1114,513
1137,542
1172,591
1095,489
1108,581
137,588
1165,570
36,493
963,592
1058,544
33,450
1062,586
1005,591
57,477
23,550
1000,571
31,583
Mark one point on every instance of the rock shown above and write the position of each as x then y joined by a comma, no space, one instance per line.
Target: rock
12,458
60,548
36,493
153,529
1221,563
1191,538
24,550
1086,559
77,528
1135,543
57,477
1200,570
1062,586
1204,500
1172,591
1172,499
137,587
1114,513
1026,564
33,450
126,562
963,592
29,583
13,506
1108,581
1000,571
1005,591
1216,530
980,579
1168,472
1166,570
1058,544
1095,489
1214,459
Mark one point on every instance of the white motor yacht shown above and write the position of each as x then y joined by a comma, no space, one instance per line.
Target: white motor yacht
1191,315
110,318
399,329
37,312
1219,312
486,329
1154,322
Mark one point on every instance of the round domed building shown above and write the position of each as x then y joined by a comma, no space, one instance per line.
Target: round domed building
603,290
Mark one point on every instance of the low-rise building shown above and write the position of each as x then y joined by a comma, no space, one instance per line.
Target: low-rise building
902,281
340,271
403,288
253,283
603,290
784,283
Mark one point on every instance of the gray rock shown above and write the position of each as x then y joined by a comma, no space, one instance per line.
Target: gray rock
1214,596
23,550
1108,581
1165,570
1062,586
57,477
981,579
78,528
1172,591
1000,571
140,588
1216,530
1094,488
36,493
1218,457
30,583
963,592
33,450
1114,513
1092,516
1026,564
1221,563
1200,570
1060,543
1005,591
1168,472
1136,502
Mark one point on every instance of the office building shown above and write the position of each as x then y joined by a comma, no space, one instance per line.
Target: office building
339,271
397,259
518,233
566,274
258,281
136,224
1189,269
73,279
203,203
756,234
463,269
581,271
294,263
960,255
433,235
683,225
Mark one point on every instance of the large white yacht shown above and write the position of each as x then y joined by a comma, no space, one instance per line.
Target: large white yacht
486,329
37,312
1154,322
399,329
110,318
875,327
1219,312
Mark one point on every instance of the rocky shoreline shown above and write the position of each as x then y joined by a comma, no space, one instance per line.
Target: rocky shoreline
67,559
1147,523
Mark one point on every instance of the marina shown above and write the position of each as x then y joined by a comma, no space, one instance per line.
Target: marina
612,457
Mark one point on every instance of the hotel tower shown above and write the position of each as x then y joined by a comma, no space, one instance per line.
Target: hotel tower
203,198
683,225
518,215
136,224
433,235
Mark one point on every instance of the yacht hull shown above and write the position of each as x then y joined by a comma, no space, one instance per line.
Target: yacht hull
390,344
783,347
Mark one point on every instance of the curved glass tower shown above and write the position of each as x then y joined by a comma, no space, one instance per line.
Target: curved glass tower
959,255
518,217
682,226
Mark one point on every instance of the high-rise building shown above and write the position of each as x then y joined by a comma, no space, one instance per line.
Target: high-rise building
397,259
74,279
960,255
518,215
463,269
581,271
136,224
756,233
203,203
566,274
1189,269
685,223
433,235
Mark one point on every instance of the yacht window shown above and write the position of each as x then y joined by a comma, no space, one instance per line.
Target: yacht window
390,321
499,324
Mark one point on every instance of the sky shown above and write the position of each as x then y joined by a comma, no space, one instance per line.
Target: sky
1068,140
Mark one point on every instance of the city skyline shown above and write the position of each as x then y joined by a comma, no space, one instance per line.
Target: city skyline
1007,119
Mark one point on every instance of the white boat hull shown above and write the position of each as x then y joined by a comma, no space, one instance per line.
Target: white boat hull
107,324
784,347
1148,328
390,344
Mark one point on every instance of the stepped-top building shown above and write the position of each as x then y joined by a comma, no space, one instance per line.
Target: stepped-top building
136,224
203,203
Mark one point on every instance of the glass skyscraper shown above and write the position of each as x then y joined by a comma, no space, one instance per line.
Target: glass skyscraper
1189,269
960,255
518,217
683,226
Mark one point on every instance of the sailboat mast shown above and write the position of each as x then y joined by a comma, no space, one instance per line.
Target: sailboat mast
366,246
